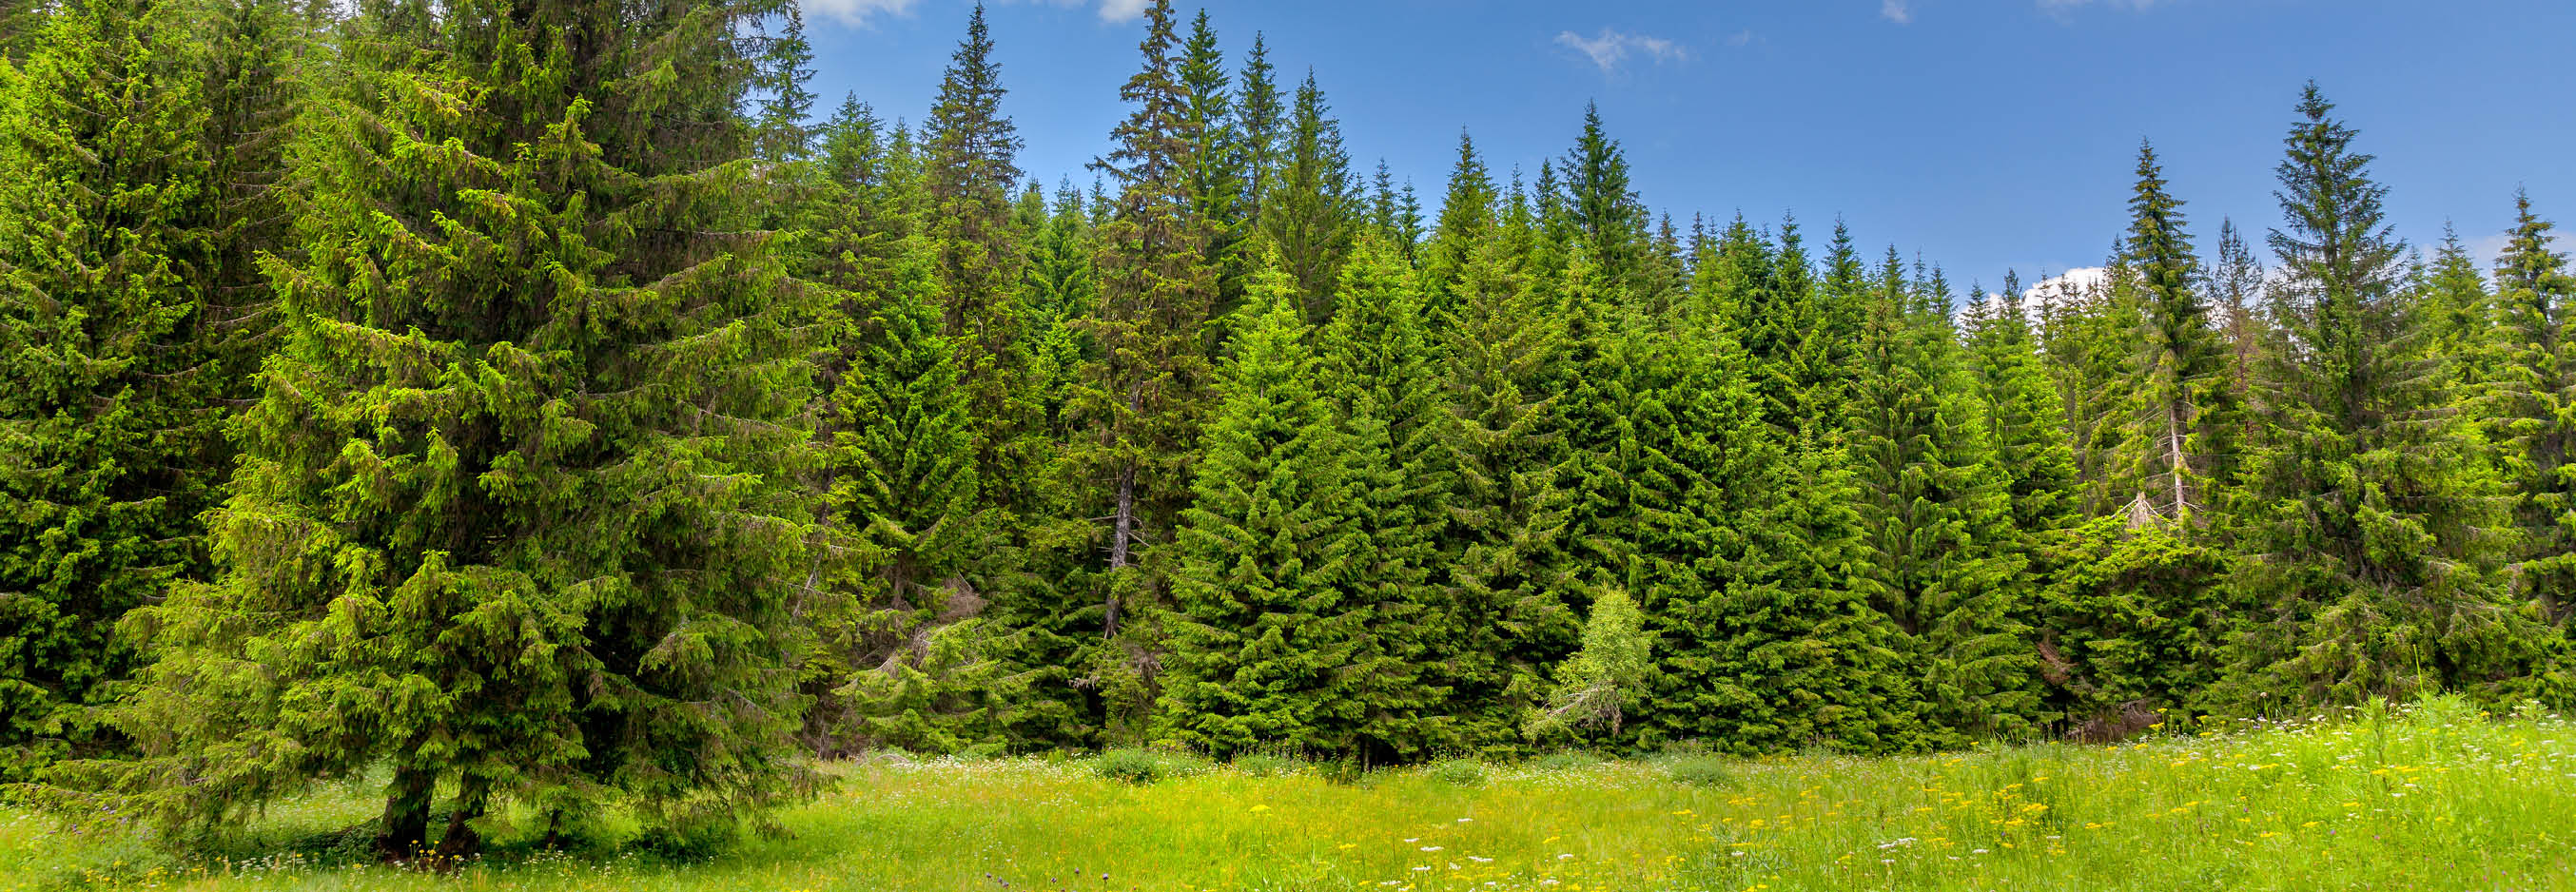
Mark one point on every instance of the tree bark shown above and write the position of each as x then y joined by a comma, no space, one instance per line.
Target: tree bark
406,818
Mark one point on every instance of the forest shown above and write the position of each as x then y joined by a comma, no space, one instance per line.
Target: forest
551,405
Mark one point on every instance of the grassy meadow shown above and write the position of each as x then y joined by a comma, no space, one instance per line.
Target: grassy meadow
2434,798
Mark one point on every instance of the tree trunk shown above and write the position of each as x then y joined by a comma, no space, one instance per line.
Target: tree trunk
406,819
1122,533
461,841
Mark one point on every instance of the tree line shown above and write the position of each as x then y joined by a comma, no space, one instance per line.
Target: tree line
545,404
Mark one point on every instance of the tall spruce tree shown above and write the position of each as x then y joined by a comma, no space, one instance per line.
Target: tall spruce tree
2178,372
520,513
1312,211
1144,390
2533,407
1936,517
1271,639
2236,282
969,172
110,429
2366,523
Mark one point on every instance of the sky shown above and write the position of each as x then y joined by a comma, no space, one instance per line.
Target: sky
1980,134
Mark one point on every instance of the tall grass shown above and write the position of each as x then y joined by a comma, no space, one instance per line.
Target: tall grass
2432,798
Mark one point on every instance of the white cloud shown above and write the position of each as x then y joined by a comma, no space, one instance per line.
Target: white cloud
1611,47
858,12
1898,11
2062,7
2077,280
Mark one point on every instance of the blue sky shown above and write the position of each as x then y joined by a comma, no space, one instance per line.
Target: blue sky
1985,134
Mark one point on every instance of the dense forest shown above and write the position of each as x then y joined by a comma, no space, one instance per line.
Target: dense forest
549,402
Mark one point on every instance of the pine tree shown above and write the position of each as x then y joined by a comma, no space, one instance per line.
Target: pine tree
904,487
2533,407
2458,315
1467,219
1603,208
2177,375
110,425
1312,212
521,511
1262,118
2364,519
2236,280
1271,643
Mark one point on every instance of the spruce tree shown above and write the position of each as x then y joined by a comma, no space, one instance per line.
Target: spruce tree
1467,218
2533,407
520,513
1602,207
2178,372
1261,117
1935,555
2236,281
2458,314
969,172
1271,642
1505,551
2366,523
110,427
1220,189
1143,391
1312,212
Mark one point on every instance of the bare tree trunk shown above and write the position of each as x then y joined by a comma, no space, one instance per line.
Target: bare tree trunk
1122,534
2173,449
461,841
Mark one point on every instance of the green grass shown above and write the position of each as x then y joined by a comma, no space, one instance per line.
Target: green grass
2437,800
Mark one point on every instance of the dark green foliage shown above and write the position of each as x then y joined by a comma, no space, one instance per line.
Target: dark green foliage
2368,525
2181,414
109,437
1311,211
518,513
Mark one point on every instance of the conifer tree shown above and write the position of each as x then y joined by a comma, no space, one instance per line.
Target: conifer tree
2366,523
1506,551
1602,207
2533,351
1219,187
521,509
1933,513
1467,218
2024,420
1313,211
1261,117
787,102
2236,281
1383,371
1271,640
2177,374
968,173
2458,315
109,428
1143,392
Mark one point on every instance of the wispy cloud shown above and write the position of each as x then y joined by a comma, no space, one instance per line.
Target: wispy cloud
1611,47
861,13
1899,11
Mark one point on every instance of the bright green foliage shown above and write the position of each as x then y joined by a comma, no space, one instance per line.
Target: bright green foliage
519,514
1467,219
1312,210
109,426
2133,619
786,102
904,488
1220,187
1606,678
1271,640
2533,352
1383,372
1936,517
2368,525
2459,317
2088,333
2177,377
2025,420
